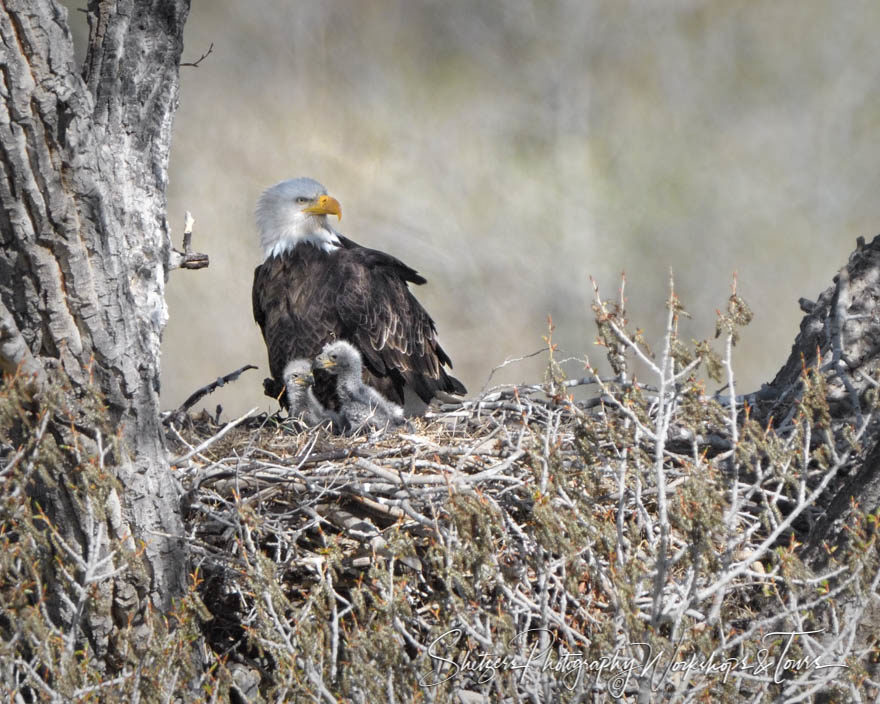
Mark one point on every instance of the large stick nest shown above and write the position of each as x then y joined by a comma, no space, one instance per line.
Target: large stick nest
521,522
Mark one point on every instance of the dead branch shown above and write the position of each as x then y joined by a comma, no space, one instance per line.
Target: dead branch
199,394
187,259
195,64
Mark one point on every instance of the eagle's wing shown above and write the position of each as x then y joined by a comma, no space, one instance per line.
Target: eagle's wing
257,299
375,258
393,332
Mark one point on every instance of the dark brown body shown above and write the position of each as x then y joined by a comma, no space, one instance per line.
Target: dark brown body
307,297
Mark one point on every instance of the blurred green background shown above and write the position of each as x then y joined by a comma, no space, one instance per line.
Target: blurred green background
509,150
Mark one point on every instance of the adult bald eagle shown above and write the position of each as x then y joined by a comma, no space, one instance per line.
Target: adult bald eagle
315,286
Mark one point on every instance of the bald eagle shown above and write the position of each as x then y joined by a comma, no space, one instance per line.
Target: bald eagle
315,286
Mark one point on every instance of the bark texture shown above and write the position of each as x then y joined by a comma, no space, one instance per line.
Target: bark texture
85,247
840,336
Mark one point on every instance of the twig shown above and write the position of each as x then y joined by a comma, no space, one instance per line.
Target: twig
510,360
199,394
211,440
195,64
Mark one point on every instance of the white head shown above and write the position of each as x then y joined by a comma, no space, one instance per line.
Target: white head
341,358
294,212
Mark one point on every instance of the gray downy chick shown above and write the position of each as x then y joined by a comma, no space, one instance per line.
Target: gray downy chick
360,405
301,399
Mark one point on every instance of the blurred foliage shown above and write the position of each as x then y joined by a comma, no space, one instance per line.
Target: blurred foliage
509,150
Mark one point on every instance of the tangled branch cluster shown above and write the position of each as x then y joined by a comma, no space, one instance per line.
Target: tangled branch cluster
527,546
583,539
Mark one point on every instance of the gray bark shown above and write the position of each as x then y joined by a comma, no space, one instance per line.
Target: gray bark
839,338
85,244
840,334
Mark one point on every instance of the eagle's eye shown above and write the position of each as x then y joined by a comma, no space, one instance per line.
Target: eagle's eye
302,200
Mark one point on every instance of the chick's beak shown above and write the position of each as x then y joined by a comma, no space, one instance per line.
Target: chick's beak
325,205
323,363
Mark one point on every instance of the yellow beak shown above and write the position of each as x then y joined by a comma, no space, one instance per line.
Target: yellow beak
325,205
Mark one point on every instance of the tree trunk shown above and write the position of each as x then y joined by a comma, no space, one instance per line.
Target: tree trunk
839,335
84,261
